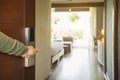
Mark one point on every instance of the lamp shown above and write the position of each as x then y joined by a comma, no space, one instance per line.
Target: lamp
102,34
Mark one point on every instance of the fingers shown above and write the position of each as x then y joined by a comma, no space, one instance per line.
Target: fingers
31,51
26,56
36,50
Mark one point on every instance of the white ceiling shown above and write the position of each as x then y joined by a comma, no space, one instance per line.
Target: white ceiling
75,1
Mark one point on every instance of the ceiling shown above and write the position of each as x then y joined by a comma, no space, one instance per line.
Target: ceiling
75,1
75,5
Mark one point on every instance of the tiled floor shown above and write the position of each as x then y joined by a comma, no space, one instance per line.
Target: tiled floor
80,64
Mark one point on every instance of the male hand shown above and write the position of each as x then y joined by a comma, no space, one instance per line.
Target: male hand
31,52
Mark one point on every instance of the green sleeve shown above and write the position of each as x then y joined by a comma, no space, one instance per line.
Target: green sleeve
11,46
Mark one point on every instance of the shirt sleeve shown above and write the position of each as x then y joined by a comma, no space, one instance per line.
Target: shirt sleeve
11,46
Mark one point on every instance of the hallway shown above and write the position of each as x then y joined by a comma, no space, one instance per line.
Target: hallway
80,64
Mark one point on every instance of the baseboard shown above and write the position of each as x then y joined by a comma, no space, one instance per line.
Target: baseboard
49,75
106,76
101,65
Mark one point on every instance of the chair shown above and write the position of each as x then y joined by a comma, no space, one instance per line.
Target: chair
69,39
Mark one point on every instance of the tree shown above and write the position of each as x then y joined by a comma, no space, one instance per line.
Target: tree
57,20
74,17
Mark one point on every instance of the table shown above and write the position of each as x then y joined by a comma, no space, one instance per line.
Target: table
66,50
69,44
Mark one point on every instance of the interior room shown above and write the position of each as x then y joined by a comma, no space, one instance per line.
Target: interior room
29,21
78,25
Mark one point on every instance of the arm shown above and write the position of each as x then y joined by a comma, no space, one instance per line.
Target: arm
14,47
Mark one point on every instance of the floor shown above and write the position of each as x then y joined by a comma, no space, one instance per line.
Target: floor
80,64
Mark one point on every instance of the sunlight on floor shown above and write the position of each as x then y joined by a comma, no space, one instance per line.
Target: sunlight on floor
81,63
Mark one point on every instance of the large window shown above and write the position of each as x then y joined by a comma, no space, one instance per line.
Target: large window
72,24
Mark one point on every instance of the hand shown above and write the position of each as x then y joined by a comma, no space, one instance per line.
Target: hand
31,52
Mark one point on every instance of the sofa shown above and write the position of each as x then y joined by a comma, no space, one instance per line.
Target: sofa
57,51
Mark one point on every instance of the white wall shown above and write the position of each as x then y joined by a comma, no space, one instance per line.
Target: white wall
109,39
42,22
93,21
96,20
99,19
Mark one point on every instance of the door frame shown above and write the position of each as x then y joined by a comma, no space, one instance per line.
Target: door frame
115,41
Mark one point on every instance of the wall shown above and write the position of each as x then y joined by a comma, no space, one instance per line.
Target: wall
99,19
93,20
96,20
119,38
43,8
109,38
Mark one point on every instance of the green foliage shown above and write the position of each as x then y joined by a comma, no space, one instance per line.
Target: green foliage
74,17
57,20
75,34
